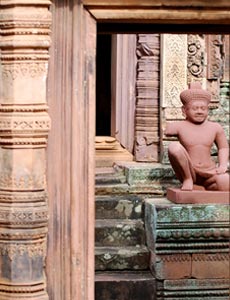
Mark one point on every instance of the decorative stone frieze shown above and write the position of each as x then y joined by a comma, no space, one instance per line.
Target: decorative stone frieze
147,95
193,289
24,127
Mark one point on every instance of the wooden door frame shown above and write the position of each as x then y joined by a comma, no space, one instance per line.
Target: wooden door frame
73,132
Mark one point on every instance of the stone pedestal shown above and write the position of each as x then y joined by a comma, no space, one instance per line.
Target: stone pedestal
189,247
197,196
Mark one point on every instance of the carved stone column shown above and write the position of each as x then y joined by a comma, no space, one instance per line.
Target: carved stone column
147,94
24,126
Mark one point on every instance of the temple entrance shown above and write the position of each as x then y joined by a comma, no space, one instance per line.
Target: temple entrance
71,189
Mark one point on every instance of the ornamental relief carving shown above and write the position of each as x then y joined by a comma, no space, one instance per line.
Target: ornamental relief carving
37,249
196,57
18,216
33,70
22,289
199,233
214,45
23,108
23,143
194,214
191,247
173,65
199,283
23,197
22,183
16,233
24,124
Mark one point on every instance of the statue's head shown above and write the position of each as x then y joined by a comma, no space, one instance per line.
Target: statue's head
195,103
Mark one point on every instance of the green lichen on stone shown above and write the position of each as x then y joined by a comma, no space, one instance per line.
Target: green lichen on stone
192,213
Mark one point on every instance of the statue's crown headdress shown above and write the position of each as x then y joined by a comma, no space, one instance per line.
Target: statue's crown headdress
195,92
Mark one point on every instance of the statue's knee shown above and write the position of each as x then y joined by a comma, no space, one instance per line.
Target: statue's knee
222,182
175,149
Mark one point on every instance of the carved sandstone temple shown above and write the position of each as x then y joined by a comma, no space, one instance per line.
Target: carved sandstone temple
72,204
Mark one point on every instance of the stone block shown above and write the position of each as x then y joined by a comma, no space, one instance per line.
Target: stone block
125,286
210,265
172,266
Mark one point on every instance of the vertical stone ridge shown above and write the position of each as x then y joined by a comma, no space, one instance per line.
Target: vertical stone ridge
24,127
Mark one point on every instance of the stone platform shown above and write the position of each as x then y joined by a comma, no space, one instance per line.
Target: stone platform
197,196
189,249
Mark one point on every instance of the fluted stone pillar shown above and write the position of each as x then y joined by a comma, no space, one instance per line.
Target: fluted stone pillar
24,126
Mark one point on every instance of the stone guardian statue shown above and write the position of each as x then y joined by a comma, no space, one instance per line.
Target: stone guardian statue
190,157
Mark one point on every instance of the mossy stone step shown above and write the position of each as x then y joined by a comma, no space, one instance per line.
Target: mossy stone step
125,258
120,206
119,233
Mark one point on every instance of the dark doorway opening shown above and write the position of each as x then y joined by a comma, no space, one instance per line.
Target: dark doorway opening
103,85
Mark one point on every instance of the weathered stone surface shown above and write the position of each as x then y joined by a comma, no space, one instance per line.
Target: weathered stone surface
135,178
119,232
117,258
183,228
109,176
189,249
124,286
142,173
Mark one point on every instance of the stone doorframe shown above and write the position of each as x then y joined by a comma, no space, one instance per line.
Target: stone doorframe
24,126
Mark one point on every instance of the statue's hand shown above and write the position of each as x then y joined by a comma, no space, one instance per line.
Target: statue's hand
221,169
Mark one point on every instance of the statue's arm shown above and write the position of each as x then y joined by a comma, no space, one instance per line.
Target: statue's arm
171,129
223,150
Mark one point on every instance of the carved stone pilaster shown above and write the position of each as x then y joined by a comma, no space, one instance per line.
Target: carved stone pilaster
173,81
24,126
147,95
205,63
174,74
214,45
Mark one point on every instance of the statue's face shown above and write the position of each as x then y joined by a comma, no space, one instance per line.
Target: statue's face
196,111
